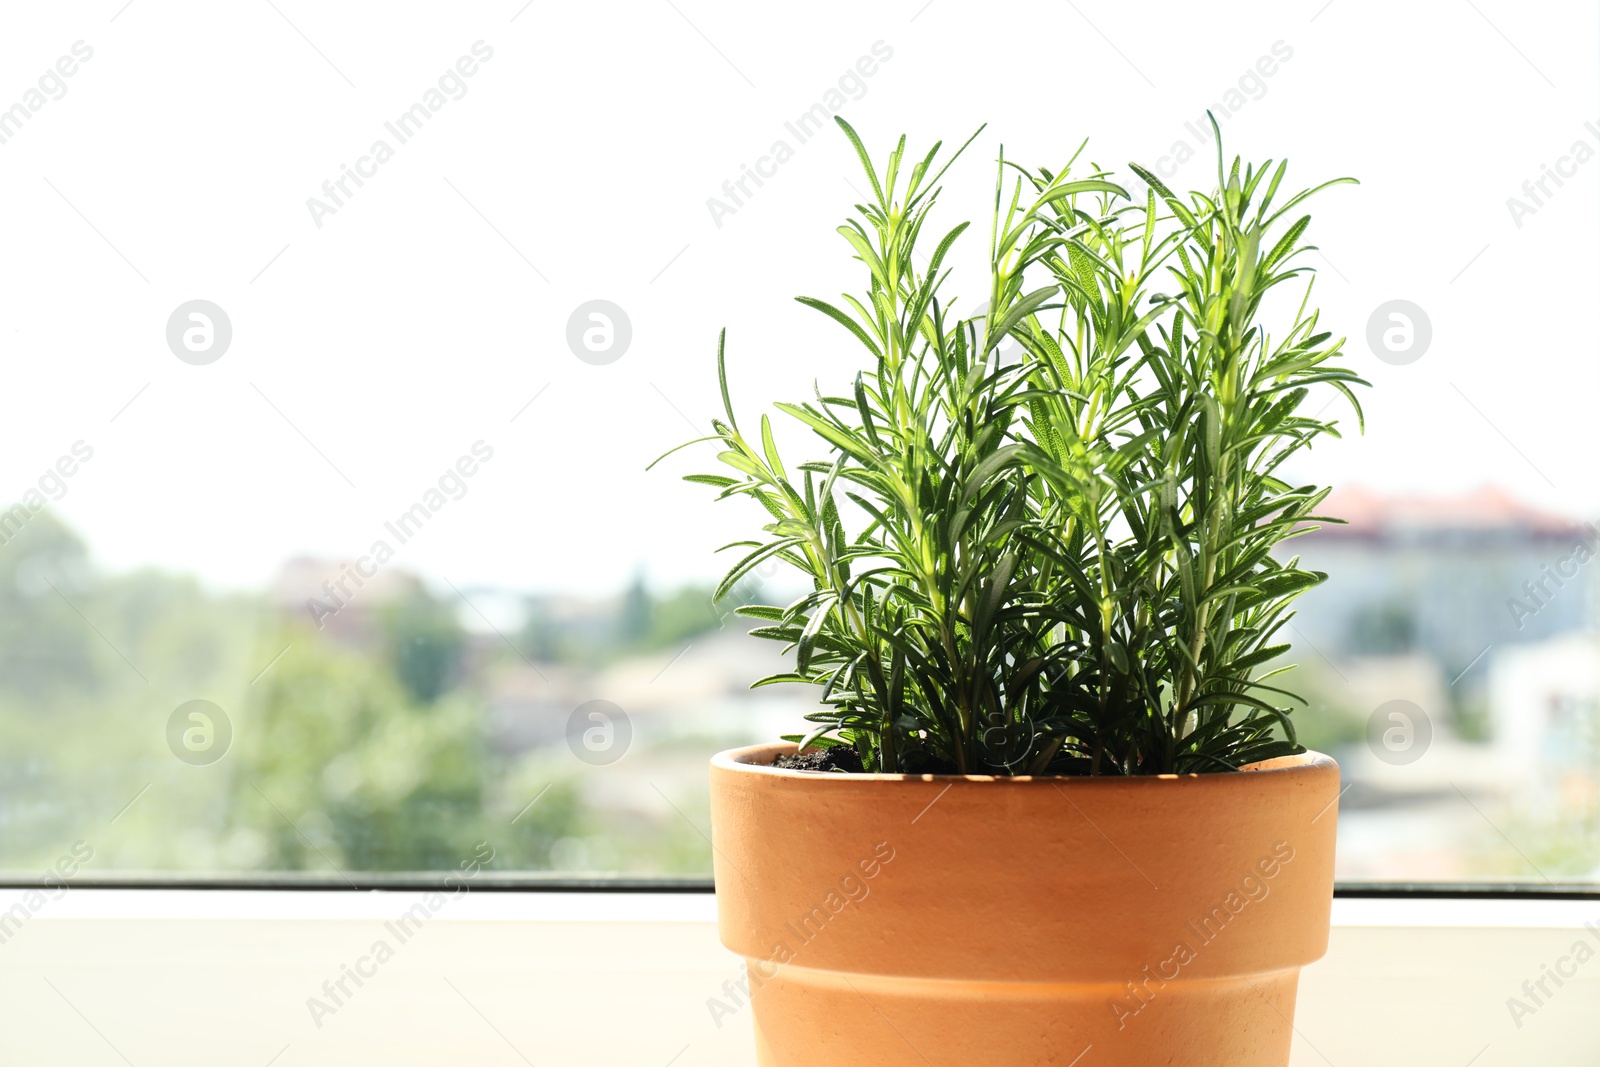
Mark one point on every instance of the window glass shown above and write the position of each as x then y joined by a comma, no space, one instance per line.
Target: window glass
337,351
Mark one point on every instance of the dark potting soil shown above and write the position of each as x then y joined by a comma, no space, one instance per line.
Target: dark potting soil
822,759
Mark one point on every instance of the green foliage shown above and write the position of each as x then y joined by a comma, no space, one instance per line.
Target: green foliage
1062,565
345,755
374,748
425,642
639,623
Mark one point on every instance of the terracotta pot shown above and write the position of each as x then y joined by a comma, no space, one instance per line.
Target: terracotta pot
954,920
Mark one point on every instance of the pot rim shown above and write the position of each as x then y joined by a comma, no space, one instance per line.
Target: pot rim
757,759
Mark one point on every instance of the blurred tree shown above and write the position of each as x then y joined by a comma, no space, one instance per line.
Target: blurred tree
424,642
686,614
1388,629
347,768
541,636
341,760
48,656
633,623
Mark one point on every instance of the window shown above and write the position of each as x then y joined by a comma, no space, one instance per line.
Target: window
338,348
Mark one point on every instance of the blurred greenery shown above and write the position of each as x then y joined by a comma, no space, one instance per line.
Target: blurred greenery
1562,844
362,750
424,644
1327,721
1381,629
373,747
644,623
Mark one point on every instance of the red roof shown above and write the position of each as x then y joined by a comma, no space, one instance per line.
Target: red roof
1370,514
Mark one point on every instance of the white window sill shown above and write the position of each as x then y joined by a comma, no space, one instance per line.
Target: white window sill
201,977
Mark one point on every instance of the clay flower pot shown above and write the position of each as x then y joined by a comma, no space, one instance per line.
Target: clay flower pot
955,920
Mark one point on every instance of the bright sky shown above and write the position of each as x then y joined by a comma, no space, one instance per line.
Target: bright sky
369,354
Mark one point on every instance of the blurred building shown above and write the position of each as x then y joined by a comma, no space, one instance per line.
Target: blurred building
335,597
1546,715
1481,612
1447,577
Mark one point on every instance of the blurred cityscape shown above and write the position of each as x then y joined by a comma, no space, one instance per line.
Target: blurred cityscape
1453,667
379,723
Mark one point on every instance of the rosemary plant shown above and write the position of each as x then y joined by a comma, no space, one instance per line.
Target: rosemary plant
1062,565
